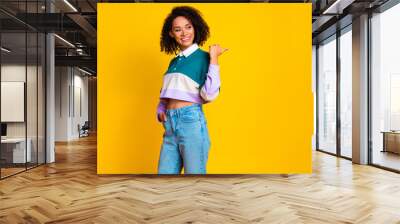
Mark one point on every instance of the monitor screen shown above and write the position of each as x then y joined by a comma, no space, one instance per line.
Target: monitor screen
3,129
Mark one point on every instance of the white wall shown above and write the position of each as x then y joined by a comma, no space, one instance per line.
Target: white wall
71,93
314,91
62,78
80,84
16,73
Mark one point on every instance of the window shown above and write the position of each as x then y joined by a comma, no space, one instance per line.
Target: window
346,92
385,88
327,95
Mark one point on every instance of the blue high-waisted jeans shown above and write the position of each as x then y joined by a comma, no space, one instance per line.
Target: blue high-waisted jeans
185,142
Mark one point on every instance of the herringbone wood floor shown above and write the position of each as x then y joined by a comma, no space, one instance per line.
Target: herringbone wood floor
70,191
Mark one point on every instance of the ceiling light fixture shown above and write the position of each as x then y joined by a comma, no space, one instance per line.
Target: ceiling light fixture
70,5
64,40
5,50
84,71
337,7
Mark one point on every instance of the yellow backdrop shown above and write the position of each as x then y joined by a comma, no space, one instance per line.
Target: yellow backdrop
262,120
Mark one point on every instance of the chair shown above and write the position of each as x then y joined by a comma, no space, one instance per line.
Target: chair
84,130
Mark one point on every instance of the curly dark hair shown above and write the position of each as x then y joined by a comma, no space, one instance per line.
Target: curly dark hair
201,30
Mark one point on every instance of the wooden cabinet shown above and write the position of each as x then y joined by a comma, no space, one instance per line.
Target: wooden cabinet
391,142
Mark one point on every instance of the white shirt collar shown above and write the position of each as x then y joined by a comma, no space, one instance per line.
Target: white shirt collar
188,51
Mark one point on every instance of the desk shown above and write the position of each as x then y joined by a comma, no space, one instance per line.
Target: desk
391,141
16,147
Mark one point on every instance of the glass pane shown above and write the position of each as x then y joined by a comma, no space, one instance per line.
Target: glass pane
41,98
14,153
386,89
32,95
23,88
327,96
31,84
346,94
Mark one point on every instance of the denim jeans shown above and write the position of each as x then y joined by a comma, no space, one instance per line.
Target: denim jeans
185,142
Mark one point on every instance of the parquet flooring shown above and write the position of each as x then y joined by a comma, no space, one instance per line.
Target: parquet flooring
70,191
10,171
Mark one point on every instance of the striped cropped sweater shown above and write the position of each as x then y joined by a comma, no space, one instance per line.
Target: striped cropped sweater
190,77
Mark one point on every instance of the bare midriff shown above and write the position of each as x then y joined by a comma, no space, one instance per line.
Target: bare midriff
175,104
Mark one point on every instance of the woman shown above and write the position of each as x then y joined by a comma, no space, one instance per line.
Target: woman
191,80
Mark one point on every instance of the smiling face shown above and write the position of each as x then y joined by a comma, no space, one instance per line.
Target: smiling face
183,32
